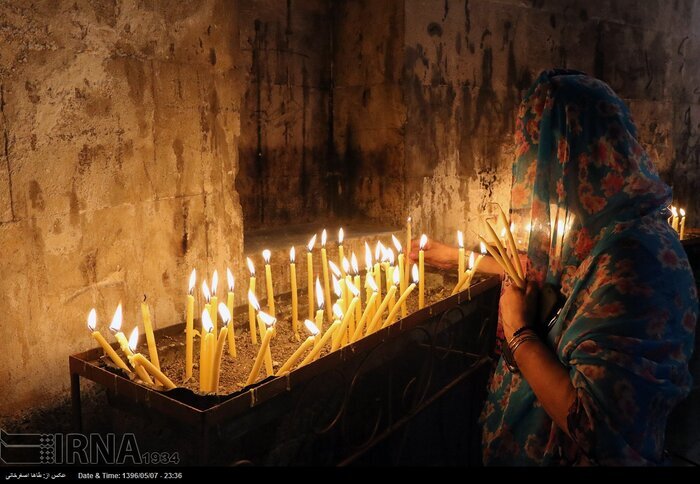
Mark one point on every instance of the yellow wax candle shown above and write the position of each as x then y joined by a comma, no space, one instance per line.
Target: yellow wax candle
338,290
264,347
395,280
377,267
130,350
251,309
189,326
320,300
504,256
511,242
421,271
295,302
150,338
341,252
310,274
326,278
682,224
674,220
205,357
360,326
465,276
339,315
402,272
109,351
408,247
115,327
253,301
341,332
460,257
392,314
320,343
356,279
216,363
308,343
139,359
229,307
268,283
374,324
214,302
345,274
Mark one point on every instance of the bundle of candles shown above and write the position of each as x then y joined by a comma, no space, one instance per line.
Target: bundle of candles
507,259
677,221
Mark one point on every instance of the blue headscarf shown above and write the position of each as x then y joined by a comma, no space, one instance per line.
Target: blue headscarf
593,210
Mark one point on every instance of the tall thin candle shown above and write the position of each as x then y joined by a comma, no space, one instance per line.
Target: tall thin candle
310,274
251,309
268,283
189,326
229,307
295,301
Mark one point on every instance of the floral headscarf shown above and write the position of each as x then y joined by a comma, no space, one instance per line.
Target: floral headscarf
592,210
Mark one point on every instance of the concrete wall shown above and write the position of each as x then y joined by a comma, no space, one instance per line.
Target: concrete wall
119,122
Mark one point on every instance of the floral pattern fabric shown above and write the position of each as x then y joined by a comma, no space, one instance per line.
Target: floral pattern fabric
592,213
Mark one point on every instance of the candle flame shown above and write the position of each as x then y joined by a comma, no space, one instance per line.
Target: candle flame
266,256
253,300
319,294
292,255
311,327
396,277
682,212
397,244
92,319
311,243
230,279
334,268
134,339
205,291
346,265
482,247
251,267
354,264
351,287
337,311
193,281
408,220
224,313
372,284
267,319
368,257
324,237
336,286
415,273
390,256
460,239
117,319
423,241
341,236
674,211
378,251
214,282
471,261
207,324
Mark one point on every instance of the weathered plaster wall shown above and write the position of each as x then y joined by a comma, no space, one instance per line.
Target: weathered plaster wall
284,144
119,123
465,65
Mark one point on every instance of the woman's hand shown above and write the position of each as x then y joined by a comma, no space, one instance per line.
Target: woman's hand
517,307
436,254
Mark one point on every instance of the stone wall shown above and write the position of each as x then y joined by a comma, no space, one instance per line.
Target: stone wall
119,122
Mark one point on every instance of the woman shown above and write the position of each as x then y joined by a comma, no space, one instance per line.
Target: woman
596,387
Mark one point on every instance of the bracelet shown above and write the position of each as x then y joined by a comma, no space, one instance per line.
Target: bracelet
527,337
520,332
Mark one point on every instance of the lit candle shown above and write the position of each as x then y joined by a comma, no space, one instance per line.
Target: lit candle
229,307
342,331
268,283
308,343
251,309
221,340
320,300
466,277
682,223
295,302
402,273
341,251
406,275
674,220
262,328
374,324
206,349
335,271
326,278
269,322
421,272
460,257
338,290
368,275
345,273
214,302
310,274
150,338
109,351
357,282
404,295
189,326
321,342
378,251
392,276
339,315
207,298
143,367
116,327
368,312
